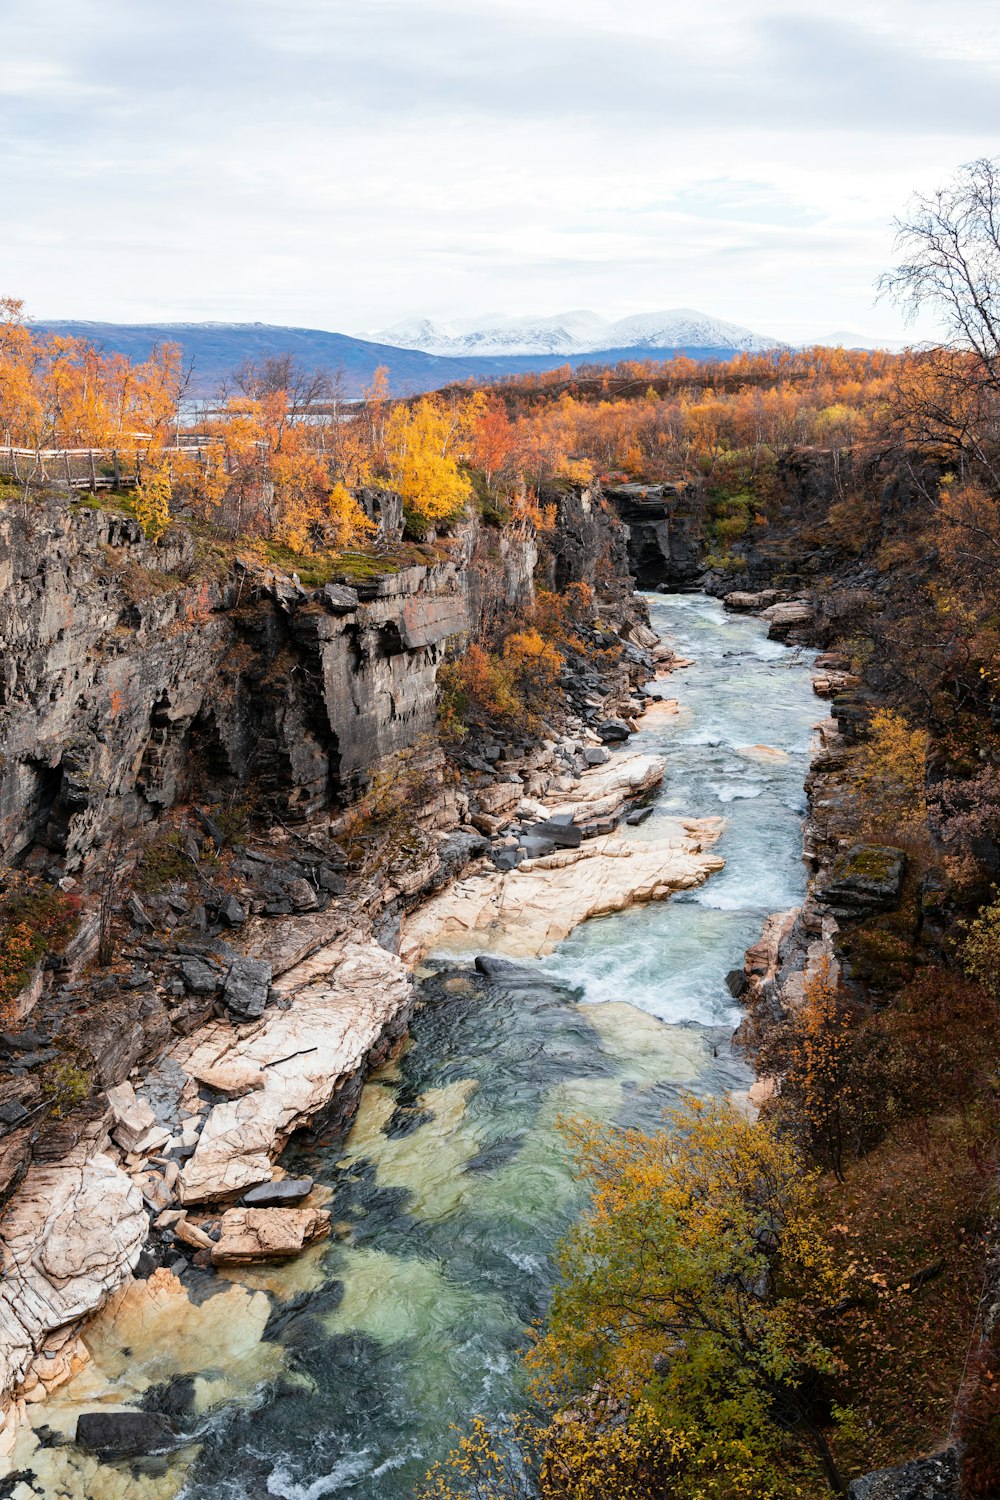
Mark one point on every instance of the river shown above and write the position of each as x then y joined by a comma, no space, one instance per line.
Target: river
454,1186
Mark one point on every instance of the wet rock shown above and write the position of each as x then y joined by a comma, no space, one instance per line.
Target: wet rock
120,1434
531,909
278,1194
245,988
639,816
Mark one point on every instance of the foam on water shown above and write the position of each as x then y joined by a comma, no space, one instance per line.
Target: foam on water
740,750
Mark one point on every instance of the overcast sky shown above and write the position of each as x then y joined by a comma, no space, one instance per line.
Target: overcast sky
345,163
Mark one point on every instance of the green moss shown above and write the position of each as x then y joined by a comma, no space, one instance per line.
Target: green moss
874,862
163,861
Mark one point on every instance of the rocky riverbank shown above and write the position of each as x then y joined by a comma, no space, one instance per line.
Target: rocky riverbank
255,981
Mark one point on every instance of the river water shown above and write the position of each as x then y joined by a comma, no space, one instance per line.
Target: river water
454,1185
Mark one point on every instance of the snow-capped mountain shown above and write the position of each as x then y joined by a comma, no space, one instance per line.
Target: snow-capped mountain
579,332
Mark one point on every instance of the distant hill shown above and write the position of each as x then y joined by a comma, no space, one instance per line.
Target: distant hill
214,350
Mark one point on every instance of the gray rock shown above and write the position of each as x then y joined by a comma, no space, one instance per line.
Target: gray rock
933,1478
339,599
245,988
136,912
277,1194
867,879
535,847
198,978
136,980
231,912
613,730
639,816
12,1112
507,859
123,1433
561,835
596,755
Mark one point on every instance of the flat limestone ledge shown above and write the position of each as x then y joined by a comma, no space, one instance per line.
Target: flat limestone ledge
286,1068
527,911
71,1235
604,790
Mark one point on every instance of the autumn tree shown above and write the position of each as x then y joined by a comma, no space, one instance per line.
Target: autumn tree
891,776
695,1289
829,1066
152,500
421,461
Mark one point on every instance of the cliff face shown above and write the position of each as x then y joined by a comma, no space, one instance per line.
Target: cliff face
665,532
132,676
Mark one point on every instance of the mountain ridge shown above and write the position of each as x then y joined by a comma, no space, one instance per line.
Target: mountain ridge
578,332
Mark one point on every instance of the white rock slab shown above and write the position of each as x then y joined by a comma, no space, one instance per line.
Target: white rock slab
291,1062
71,1235
525,912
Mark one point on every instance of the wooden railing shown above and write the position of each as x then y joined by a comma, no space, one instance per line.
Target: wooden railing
90,469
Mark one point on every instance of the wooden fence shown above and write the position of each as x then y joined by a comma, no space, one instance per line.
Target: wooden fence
90,469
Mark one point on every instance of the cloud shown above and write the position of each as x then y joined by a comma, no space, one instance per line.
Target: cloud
346,162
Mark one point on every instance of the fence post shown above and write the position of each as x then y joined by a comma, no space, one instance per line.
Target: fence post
93,474
69,476
117,468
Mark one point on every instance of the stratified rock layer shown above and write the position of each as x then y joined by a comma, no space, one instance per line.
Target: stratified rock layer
288,1067
72,1235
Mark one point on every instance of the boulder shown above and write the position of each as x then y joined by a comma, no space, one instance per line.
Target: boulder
133,1118
782,618
198,978
338,598
231,912
744,603
255,1234
348,997
557,835
245,988
596,755
278,1194
866,880
613,730
70,1236
122,1434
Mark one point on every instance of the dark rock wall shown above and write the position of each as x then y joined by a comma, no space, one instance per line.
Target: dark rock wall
127,681
133,675
665,532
